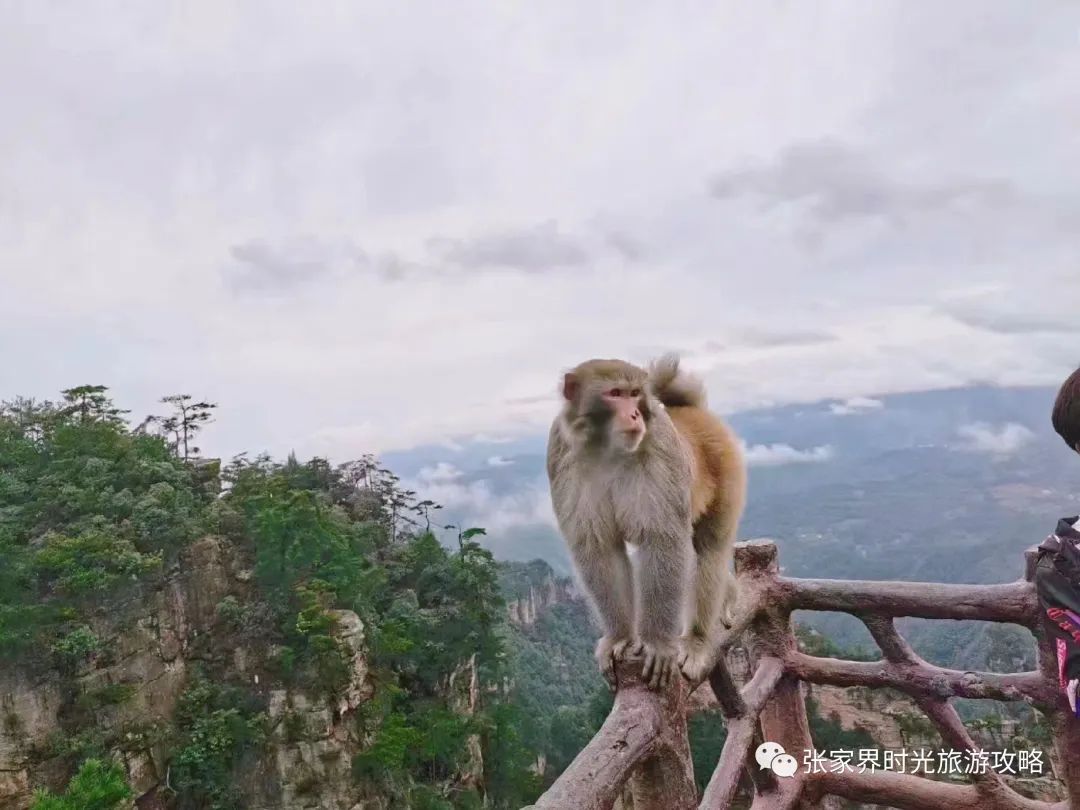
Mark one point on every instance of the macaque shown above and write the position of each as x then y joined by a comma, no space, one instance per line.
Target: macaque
635,461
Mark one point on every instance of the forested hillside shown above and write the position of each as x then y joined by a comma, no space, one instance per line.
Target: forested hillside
297,614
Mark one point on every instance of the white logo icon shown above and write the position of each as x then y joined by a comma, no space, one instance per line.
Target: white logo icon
771,756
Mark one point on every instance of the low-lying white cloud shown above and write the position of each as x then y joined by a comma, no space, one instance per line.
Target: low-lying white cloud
996,439
778,454
442,473
475,503
499,461
854,405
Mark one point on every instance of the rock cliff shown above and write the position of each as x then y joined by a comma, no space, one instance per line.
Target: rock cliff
154,640
524,611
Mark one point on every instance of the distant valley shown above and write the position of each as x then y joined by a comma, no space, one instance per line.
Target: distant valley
948,485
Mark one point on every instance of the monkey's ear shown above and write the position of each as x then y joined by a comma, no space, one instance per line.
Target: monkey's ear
570,386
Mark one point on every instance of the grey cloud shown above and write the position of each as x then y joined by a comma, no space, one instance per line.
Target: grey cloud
759,338
626,246
1022,307
840,182
765,339
1014,323
392,267
261,266
531,249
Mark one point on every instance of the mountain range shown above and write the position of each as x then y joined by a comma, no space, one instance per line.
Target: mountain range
947,485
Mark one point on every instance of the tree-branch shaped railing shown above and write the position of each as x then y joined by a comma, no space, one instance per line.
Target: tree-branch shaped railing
643,742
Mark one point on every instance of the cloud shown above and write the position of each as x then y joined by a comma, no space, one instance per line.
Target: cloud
757,337
737,338
261,233
1002,440
442,473
855,405
474,503
1018,323
282,265
776,455
531,249
837,181
262,266
487,438
1019,310
499,461
626,246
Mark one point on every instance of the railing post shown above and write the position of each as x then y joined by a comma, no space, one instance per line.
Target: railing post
642,743
783,717
665,779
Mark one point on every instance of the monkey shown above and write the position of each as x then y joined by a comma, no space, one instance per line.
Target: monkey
648,488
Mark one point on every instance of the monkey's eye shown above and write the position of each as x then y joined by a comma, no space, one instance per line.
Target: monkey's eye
636,392
615,392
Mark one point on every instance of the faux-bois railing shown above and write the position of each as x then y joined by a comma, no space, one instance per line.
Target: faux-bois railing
643,743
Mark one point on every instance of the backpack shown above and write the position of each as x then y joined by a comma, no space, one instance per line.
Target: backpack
1057,585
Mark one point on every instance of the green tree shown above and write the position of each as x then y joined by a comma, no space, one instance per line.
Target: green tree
85,506
90,403
98,785
217,725
185,422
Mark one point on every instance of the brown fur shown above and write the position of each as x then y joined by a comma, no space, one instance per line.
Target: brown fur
717,467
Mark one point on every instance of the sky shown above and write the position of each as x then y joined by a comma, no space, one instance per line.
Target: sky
362,227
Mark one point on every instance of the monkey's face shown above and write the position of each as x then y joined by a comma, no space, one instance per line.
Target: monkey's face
608,412
626,423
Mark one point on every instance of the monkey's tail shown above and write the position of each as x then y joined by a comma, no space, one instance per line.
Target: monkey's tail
673,386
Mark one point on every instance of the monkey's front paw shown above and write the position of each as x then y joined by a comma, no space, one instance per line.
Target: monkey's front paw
660,664
610,649
697,662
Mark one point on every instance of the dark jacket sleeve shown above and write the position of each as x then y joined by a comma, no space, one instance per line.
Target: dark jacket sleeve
1059,603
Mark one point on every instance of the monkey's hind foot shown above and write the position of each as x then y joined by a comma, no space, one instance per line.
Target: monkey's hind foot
660,664
698,661
610,649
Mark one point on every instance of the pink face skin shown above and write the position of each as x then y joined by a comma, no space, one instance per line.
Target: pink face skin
627,425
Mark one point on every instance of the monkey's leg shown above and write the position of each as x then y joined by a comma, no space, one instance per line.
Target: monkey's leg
714,597
605,570
663,575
